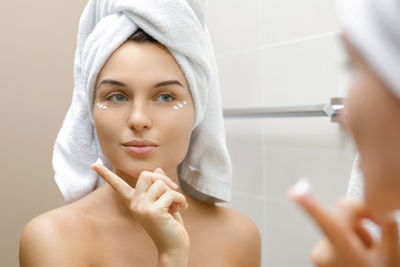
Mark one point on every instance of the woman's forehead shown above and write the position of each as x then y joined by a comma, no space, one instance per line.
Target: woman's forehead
141,61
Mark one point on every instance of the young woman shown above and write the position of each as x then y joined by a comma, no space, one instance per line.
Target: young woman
144,114
372,114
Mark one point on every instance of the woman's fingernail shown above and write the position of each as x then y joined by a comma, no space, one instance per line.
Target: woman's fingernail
174,185
159,170
177,208
174,207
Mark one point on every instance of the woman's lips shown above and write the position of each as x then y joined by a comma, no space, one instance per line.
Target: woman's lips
140,150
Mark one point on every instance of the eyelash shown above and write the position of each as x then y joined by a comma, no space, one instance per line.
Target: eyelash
167,94
125,98
114,95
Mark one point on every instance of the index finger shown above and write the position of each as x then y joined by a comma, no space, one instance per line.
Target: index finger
116,182
326,221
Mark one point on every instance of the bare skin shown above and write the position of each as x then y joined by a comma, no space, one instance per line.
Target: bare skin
85,233
372,113
116,225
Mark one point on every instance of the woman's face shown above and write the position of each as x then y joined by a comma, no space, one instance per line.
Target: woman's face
373,117
142,94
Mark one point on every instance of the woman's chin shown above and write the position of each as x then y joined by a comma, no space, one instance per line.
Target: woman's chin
132,172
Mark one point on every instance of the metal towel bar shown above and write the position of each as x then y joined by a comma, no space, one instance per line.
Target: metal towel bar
331,110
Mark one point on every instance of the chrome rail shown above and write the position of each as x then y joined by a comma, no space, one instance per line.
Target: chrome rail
331,110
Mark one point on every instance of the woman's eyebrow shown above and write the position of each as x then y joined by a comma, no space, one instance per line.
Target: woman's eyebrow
113,82
160,84
169,82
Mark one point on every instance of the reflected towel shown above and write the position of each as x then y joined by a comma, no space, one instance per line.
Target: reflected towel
372,26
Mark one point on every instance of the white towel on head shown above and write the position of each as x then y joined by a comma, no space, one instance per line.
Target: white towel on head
180,25
372,26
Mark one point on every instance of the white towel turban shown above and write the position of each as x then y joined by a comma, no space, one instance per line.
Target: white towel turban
180,26
373,28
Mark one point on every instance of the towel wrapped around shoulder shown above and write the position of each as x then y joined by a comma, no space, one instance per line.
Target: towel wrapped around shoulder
179,25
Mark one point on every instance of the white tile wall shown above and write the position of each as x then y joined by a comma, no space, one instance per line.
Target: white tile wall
241,78
284,20
234,24
302,72
245,139
280,53
325,160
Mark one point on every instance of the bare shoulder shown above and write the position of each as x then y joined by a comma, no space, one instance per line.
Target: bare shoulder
49,240
242,236
238,220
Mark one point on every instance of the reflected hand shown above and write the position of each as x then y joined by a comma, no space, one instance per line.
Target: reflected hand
347,243
156,206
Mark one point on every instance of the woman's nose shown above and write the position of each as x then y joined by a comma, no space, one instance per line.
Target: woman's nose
139,117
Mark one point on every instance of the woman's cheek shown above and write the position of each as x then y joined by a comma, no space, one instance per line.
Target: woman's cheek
176,133
106,127
356,114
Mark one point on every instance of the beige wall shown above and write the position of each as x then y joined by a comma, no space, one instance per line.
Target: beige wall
37,47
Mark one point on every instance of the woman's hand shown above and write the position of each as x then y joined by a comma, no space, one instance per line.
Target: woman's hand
156,206
347,243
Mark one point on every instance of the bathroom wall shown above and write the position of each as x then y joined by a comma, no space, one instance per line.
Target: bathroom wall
37,52
269,52
282,53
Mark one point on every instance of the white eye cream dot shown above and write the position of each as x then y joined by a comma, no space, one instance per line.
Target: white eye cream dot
302,187
184,102
175,107
180,105
99,162
101,106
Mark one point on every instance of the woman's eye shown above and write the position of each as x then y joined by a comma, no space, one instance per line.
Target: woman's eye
165,98
117,98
